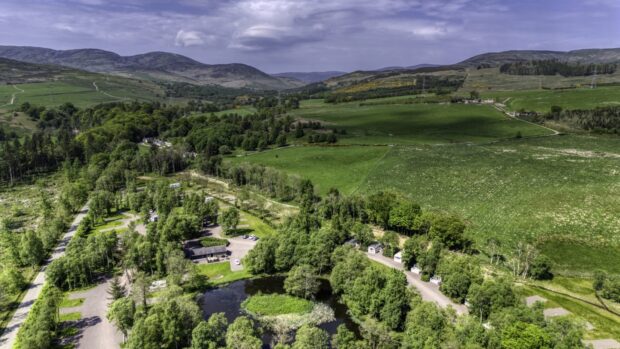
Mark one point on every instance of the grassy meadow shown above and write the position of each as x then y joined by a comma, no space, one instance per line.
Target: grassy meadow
560,192
411,124
79,90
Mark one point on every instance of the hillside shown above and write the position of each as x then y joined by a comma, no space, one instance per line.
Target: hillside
310,77
15,72
159,66
493,59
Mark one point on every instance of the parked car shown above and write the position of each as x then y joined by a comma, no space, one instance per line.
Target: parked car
245,236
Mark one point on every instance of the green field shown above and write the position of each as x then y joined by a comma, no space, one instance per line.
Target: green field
416,123
543,100
276,304
338,167
79,90
560,192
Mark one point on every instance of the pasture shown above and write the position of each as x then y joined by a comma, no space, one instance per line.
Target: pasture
550,191
543,100
79,90
410,124
344,168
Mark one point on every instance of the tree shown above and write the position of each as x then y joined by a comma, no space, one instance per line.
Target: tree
489,297
116,289
31,250
262,258
121,313
599,280
210,334
474,94
525,336
449,230
242,334
541,268
363,234
395,299
302,282
230,220
310,337
426,327
344,339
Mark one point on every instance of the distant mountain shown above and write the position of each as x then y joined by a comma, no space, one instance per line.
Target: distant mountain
310,77
586,56
160,66
411,67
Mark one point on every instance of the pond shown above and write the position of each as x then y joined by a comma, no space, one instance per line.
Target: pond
228,299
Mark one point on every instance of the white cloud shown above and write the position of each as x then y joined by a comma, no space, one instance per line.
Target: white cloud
188,38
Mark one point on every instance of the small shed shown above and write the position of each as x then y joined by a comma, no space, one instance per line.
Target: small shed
353,242
375,248
175,185
398,257
416,269
436,280
208,199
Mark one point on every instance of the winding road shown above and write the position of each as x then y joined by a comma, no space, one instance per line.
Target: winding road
9,335
107,94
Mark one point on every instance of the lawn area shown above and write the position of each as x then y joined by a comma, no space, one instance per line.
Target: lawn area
71,303
220,273
276,304
543,100
74,316
338,167
413,124
560,192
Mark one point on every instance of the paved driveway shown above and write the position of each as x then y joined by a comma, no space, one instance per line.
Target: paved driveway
94,329
7,340
238,247
428,291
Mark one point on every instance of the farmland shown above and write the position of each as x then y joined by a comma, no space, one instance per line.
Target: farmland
78,89
416,124
561,192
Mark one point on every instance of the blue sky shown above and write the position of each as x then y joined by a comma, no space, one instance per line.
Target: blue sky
313,35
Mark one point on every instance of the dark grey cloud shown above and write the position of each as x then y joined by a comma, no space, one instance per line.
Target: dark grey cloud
279,35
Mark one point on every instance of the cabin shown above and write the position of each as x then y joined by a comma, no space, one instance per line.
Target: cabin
398,257
375,248
436,280
416,270
175,185
209,253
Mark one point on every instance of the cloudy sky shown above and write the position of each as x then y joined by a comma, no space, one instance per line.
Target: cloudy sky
313,35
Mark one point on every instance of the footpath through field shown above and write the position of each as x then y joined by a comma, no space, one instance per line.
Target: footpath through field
13,96
7,340
428,291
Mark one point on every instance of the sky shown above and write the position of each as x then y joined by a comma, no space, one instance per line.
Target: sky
313,35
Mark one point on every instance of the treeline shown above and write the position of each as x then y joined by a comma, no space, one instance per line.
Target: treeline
432,84
600,119
556,67
40,329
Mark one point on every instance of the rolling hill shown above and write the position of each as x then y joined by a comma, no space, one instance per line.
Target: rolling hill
158,66
310,77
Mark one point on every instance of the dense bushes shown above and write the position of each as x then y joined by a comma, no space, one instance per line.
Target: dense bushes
601,119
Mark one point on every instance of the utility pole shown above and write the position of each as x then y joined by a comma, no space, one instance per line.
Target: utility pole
593,84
